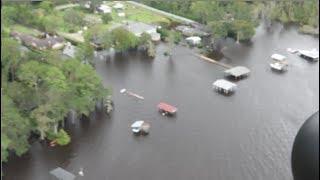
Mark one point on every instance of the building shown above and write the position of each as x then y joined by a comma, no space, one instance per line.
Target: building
50,42
278,57
310,55
137,28
118,6
104,9
238,72
224,86
194,40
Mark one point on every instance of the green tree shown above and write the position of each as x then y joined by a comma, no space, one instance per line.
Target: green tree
123,39
74,17
85,53
14,129
106,18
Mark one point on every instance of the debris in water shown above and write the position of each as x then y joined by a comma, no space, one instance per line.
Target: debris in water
122,91
81,172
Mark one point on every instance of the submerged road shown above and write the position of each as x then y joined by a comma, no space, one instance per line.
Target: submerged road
246,136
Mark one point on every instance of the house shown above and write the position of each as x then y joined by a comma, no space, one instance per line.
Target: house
238,72
310,55
278,57
224,86
118,6
137,28
190,31
194,40
50,42
104,9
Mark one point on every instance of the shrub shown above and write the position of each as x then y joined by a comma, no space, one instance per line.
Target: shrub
106,18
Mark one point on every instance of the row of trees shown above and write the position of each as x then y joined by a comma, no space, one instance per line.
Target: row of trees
224,18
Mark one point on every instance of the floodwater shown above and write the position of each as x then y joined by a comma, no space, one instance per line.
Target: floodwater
246,136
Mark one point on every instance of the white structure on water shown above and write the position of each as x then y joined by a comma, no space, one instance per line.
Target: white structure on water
278,57
310,55
278,66
238,72
194,40
224,86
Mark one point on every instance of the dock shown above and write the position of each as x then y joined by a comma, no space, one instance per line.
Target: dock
213,61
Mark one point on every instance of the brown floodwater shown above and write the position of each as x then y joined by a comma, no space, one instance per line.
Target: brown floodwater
246,136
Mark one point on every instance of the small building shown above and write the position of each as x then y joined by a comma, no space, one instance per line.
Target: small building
224,86
278,66
190,31
140,127
238,72
278,57
312,55
104,9
167,109
194,40
118,6
61,174
50,42
137,28
121,14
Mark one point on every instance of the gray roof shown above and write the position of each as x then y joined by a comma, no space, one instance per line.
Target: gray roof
224,84
138,28
238,71
62,174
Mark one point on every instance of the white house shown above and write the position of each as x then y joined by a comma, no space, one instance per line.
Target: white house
104,8
194,40
118,6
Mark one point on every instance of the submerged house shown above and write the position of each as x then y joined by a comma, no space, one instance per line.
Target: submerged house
194,40
310,55
137,28
50,42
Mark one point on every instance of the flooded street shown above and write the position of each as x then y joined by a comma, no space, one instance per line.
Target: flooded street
246,136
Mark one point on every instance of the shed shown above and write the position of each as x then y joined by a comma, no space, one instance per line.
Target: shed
194,40
278,66
104,8
278,57
118,6
224,86
238,72
310,55
62,174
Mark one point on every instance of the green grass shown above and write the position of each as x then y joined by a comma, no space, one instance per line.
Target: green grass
26,30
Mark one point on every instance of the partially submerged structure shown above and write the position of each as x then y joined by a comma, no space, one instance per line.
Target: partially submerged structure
312,55
194,40
238,72
137,28
69,50
167,109
278,66
278,57
118,6
103,8
224,86
61,174
140,127
51,42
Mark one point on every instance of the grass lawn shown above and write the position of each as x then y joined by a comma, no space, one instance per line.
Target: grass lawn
26,30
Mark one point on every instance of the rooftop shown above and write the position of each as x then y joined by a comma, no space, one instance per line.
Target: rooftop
224,84
314,54
278,57
62,174
238,71
138,28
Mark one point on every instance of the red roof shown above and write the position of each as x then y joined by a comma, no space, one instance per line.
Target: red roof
167,107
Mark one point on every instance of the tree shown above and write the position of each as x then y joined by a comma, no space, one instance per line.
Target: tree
85,53
14,129
74,17
9,61
47,5
106,18
123,39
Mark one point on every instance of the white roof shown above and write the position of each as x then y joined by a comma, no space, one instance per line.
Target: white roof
118,6
238,71
277,65
137,124
278,57
121,14
105,8
193,38
314,54
224,84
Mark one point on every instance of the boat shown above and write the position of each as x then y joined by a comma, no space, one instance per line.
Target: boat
167,109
